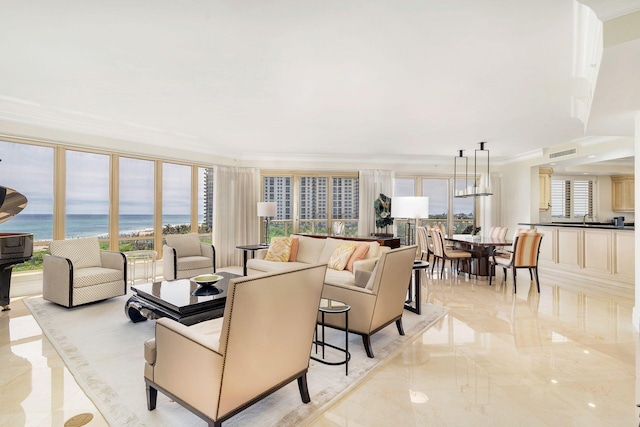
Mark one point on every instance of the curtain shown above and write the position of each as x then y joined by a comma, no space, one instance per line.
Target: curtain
235,219
371,184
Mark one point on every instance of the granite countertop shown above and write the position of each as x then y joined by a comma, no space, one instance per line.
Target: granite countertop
602,225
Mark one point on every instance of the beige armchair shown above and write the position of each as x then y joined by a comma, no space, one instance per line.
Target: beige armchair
219,367
77,272
184,256
377,299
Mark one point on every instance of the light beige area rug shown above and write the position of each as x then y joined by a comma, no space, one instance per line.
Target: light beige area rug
103,350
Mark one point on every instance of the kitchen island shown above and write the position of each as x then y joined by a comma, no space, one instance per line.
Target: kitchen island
599,253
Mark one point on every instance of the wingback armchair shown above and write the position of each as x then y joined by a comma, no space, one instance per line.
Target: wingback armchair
377,298
184,256
219,367
77,272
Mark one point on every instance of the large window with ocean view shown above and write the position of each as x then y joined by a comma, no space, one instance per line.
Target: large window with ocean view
136,207
176,199
28,169
87,191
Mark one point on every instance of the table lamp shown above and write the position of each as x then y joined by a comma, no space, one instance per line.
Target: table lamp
410,208
267,210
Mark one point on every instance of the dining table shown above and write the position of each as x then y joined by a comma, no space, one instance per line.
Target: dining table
481,249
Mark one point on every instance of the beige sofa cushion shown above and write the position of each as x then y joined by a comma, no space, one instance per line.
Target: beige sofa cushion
330,245
309,249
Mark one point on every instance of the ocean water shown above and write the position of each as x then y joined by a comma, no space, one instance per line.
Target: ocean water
41,225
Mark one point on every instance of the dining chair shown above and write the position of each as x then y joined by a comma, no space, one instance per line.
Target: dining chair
524,254
443,253
496,232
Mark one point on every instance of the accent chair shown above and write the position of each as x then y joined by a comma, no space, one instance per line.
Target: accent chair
220,367
77,272
377,297
184,256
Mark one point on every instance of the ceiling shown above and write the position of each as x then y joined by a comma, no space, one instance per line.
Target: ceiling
383,80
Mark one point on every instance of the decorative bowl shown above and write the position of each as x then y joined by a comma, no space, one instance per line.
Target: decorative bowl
206,279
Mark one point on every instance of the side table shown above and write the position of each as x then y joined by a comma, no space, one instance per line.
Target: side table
249,248
414,297
332,307
148,259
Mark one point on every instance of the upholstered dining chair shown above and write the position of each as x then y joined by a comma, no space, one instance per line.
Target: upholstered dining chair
220,367
77,272
423,242
441,252
524,254
496,232
376,298
184,256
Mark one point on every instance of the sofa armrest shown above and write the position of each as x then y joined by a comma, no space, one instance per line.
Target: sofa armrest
365,264
113,259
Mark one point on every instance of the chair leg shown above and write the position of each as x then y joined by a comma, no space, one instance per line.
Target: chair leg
304,389
535,273
399,326
513,270
152,397
366,340
490,275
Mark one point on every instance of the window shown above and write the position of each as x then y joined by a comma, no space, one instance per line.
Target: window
437,190
176,199
28,169
136,188
319,200
87,203
572,198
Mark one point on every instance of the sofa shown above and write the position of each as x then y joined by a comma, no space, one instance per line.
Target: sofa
305,250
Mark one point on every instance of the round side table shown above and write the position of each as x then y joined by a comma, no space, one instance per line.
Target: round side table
148,260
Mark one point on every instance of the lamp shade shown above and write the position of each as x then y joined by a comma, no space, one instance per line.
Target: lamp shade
410,207
267,209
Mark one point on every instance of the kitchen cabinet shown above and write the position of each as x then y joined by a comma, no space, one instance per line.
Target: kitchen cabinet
622,193
544,175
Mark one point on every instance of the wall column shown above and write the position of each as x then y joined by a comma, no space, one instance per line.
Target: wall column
636,308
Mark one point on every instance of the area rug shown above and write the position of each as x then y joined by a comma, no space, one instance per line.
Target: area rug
103,350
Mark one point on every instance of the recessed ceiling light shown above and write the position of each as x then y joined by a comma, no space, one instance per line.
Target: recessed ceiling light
552,164
592,156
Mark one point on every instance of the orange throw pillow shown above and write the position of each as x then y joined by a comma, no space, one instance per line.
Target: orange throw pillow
294,249
361,251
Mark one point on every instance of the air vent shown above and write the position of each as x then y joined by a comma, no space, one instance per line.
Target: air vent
563,153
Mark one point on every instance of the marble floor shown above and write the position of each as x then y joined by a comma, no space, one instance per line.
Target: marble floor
564,357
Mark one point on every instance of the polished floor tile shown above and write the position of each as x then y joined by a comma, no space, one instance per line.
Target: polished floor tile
562,357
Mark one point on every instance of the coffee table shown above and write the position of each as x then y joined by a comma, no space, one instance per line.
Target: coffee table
180,300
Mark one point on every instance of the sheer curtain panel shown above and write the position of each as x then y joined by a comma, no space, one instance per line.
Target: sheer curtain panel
235,219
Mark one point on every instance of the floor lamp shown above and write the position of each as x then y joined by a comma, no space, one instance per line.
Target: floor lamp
410,208
267,210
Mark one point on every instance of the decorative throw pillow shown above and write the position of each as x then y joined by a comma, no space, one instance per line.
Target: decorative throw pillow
293,255
279,249
340,256
359,253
